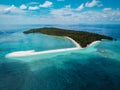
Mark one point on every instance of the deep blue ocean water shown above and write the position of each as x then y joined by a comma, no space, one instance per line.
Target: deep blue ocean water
93,68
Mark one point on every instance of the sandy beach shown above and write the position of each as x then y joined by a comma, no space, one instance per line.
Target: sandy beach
93,43
76,44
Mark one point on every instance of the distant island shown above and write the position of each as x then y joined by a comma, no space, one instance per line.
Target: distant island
81,37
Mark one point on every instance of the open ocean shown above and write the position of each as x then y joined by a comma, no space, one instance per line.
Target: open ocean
93,68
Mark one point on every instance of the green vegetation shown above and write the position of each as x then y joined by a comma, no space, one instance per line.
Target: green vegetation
83,38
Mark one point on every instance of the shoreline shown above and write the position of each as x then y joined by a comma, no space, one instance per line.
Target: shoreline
75,43
94,42
33,52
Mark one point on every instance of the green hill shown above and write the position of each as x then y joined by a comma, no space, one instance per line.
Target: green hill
81,37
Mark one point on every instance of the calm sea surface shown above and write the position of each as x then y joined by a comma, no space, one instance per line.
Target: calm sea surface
93,68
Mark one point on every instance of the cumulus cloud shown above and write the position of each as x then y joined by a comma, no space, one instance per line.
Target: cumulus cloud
46,4
93,3
69,14
59,16
10,9
23,6
68,6
33,3
80,7
5,9
33,8
66,11
66,15
107,9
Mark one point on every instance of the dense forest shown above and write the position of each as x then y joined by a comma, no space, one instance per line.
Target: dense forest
81,37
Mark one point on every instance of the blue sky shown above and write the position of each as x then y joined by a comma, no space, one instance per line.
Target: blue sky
60,12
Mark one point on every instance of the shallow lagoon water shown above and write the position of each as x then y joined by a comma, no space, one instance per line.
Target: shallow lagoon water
93,68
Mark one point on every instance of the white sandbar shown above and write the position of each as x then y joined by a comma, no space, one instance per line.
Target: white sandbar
33,52
27,53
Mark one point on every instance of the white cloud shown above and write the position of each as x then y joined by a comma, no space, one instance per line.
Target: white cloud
2,8
33,8
5,9
23,6
88,17
68,6
10,8
107,9
66,11
80,7
66,15
93,3
33,3
69,15
46,4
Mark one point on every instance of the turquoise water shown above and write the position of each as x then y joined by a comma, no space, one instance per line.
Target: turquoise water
93,68
39,42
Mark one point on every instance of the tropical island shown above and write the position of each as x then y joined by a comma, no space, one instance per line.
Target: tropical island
81,37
